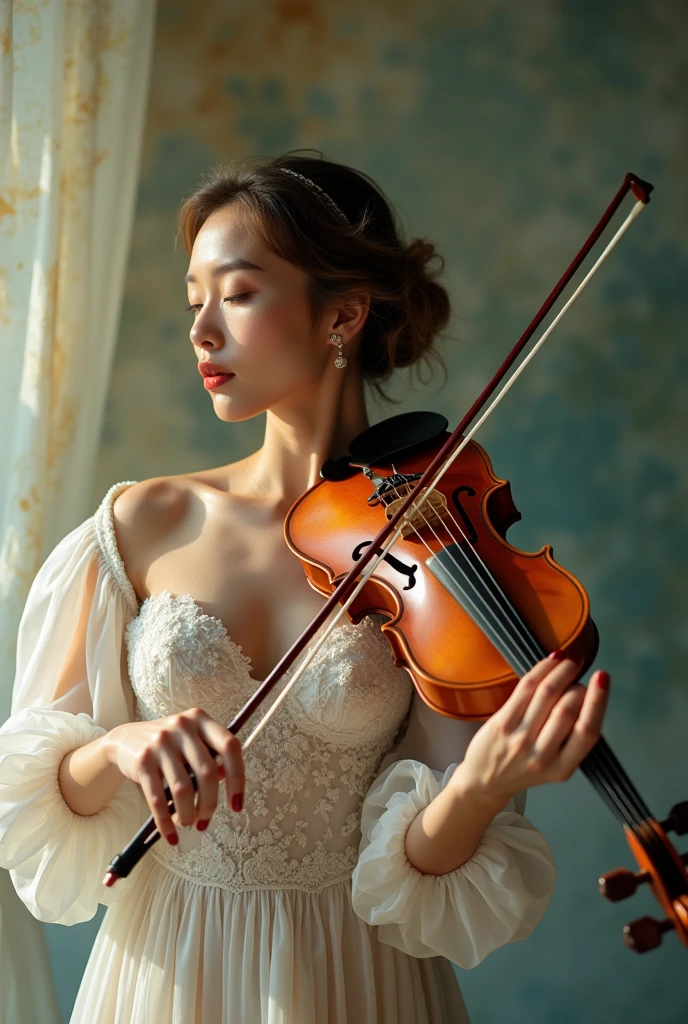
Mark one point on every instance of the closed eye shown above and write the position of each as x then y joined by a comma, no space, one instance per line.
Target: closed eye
232,298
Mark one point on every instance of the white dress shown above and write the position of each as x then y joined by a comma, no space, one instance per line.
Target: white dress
303,908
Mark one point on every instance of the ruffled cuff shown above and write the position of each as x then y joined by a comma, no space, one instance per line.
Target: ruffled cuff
57,858
497,896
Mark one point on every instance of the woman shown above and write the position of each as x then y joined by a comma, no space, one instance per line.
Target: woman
363,841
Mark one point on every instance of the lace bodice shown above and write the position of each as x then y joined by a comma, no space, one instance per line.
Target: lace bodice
309,769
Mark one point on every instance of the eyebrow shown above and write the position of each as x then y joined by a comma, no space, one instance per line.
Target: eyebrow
225,268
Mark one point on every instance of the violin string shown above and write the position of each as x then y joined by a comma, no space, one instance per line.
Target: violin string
496,625
607,786
602,762
532,648
488,581
624,800
367,572
603,755
608,798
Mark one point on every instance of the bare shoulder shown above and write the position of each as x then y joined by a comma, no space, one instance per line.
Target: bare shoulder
152,513
146,505
143,513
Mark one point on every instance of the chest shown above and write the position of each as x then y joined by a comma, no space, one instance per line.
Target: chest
237,566
350,695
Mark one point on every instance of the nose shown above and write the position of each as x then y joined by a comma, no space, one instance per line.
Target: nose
204,332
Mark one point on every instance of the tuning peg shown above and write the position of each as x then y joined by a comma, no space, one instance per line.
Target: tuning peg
645,933
678,819
621,883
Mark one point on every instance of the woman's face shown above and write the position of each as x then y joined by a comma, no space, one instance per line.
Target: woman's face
253,321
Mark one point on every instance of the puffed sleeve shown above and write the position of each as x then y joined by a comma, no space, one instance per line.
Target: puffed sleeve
67,693
495,897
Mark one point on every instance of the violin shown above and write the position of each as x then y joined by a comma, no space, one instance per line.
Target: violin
412,524
468,614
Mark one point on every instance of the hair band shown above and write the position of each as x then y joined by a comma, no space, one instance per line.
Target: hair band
322,195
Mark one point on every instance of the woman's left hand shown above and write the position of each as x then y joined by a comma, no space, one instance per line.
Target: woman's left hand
541,734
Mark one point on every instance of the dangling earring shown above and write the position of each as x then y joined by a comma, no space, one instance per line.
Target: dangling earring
340,362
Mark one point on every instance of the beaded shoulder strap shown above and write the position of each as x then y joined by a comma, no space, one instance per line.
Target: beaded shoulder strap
105,532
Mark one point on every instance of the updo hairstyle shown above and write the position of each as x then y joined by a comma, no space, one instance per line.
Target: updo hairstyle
408,309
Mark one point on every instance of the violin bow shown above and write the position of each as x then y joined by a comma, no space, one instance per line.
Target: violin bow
350,586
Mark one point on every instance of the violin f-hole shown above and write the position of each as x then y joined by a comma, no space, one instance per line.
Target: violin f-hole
406,570
471,536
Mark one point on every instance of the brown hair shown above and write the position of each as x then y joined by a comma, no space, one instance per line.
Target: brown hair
408,309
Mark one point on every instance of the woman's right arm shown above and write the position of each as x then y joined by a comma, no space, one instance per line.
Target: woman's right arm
148,752
71,744
89,777
71,690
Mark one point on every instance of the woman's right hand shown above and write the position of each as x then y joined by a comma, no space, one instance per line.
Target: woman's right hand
154,752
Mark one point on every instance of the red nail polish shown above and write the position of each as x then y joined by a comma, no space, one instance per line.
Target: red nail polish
603,680
237,802
173,838
202,825
556,656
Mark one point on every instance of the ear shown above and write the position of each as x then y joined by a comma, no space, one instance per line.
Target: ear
349,316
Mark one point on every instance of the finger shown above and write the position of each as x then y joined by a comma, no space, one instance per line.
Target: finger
548,692
558,726
228,747
151,782
202,763
586,731
513,709
179,783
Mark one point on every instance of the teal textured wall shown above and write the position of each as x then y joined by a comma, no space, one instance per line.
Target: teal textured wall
502,131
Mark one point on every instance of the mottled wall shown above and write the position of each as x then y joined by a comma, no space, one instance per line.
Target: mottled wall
502,131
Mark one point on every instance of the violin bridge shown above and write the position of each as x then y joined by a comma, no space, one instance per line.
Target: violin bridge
432,512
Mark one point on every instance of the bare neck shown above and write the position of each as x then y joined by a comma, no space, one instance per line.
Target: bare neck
301,435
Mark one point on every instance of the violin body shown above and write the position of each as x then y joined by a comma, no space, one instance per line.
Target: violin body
456,667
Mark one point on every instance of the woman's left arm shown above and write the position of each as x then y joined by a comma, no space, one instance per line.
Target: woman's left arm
540,735
447,863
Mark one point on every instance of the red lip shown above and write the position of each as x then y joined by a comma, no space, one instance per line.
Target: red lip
216,380
207,369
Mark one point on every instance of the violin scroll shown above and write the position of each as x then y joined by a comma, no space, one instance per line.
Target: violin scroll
664,870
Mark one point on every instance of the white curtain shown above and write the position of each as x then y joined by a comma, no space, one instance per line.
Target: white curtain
74,77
